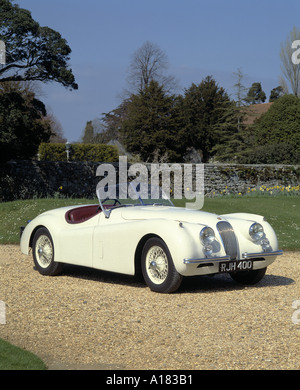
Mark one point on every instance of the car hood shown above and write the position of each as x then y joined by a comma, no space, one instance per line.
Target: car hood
170,213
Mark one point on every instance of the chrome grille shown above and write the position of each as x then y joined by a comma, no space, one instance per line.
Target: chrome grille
228,238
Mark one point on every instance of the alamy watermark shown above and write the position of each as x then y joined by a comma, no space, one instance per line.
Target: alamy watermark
2,53
296,54
296,313
176,180
2,313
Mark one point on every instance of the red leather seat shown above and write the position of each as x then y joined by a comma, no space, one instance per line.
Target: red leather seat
82,214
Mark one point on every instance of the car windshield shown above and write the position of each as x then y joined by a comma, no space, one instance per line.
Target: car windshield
131,194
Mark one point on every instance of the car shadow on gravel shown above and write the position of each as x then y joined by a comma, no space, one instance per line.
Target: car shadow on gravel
220,283
192,284
80,272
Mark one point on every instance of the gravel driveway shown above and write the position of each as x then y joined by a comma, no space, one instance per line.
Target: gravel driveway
89,319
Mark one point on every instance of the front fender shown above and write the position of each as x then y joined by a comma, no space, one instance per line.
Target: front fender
241,224
182,239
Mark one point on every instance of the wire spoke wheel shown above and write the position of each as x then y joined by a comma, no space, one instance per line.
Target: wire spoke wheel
158,268
44,251
157,265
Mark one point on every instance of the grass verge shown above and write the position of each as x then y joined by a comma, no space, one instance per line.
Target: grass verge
14,358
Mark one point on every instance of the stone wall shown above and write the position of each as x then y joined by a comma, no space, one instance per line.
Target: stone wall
237,178
27,179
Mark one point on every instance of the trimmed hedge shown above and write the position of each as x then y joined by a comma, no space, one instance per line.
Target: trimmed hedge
280,153
79,152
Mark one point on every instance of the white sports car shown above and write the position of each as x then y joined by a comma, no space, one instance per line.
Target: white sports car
163,242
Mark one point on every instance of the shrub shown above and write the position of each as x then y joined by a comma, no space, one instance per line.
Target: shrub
280,125
281,153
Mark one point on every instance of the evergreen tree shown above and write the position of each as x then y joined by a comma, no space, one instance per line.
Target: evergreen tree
209,117
112,123
276,93
32,52
88,135
23,124
229,136
150,125
256,94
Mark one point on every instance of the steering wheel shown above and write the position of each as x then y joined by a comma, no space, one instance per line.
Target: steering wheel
115,200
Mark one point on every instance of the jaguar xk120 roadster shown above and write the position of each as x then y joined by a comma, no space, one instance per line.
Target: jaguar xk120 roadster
163,242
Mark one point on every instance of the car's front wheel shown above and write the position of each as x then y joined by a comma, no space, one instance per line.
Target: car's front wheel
249,277
158,268
43,253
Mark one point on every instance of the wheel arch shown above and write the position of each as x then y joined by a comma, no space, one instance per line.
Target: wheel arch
33,234
139,250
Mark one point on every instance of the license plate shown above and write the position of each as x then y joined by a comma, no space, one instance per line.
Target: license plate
235,266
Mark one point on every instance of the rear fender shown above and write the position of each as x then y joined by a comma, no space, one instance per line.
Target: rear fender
47,221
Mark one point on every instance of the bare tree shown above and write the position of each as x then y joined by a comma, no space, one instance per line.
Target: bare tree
290,70
57,130
149,63
240,93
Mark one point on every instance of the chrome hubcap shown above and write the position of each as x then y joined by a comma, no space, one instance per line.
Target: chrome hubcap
44,251
157,265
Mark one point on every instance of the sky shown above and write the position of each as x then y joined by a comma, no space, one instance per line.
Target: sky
199,37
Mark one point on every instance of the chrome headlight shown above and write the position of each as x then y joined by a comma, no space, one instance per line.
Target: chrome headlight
256,232
207,235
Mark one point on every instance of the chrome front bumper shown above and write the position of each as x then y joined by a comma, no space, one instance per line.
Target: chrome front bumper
245,255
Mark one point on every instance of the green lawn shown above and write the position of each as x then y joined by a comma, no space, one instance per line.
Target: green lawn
282,212
17,213
14,358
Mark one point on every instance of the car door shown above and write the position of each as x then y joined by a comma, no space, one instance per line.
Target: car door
76,244
114,244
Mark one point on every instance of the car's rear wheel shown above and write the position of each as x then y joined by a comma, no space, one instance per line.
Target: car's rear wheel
249,277
43,253
158,268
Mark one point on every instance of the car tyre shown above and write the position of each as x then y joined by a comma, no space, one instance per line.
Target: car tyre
43,253
249,277
158,268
